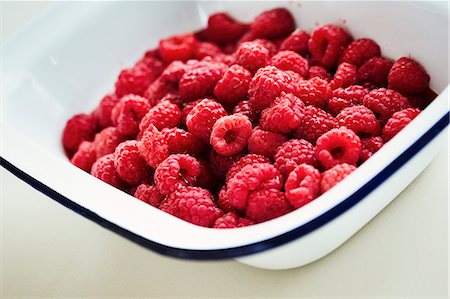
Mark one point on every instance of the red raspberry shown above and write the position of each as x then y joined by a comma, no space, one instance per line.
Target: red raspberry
360,120
224,59
221,164
103,112
173,98
315,123
202,118
223,29
302,185
230,133
163,115
233,87
158,90
385,102
327,43
359,51
314,91
104,170
284,114
408,77
346,97
188,108
375,72
266,204
334,175
200,81
422,100
249,159
180,141
289,60
127,114
153,147
252,56
345,76
128,162
251,178
320,72
244,108
134,80
231,220
85,156
149,194
266,85
205,49
338,146
180,47
192,204
398,121
206,178
369,146
79,128
176,171
272,47
174,71
107,140
223,201
297,42
265,143
293,153
153,61
273,24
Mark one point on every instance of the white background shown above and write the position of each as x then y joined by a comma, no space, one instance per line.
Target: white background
47,250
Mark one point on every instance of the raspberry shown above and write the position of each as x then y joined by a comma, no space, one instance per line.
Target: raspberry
134,80
314,91
266,85
369,146
346,97
149,194
221,164
375,72
223,29
202,118
103,112
297,42
302,185
360,120
265,143
153,61
163,115
398,121
224,59
272,47
231,220
284,114
128,162
422,100
385,102
180,47
315,123
334,175
173,98
205,49
320,72
200,81
251,178
244,108
79,128
293,153
230,133
266,204
180,141
326,45
206,179
359,51
273,24
107,140
289,60
127,114
174,71
252,56
338,146
233,86
408,77
188,108
104,170
223,201
345,76
158,90
249,159
153,147
176,171
85,156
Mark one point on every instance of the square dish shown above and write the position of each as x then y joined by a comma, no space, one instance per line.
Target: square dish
59,79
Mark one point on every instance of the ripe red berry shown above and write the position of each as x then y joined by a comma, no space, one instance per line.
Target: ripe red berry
345,76
244,108
314,91
252,56
85,156
230,134
264,142
233,87
369,146
221,164
223,29
359,51
180,141
302,185
291,61
104,170
375,72
346,97
273,24
385,102
200,81
293,153
265,204
107,140
129,164
153,146
149,194
163,115
408,77
79,128
320,72
297,42
232,220
360,120
315,123
180,47
103,112
128,113
134,80
249,159
334,175
398,121
202,118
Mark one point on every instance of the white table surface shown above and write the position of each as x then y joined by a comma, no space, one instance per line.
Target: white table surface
48,250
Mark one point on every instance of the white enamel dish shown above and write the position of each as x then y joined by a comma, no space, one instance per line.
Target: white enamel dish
68,58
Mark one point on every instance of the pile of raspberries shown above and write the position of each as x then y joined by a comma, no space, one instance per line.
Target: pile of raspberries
238,124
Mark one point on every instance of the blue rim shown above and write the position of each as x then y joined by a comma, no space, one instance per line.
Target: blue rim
249,248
